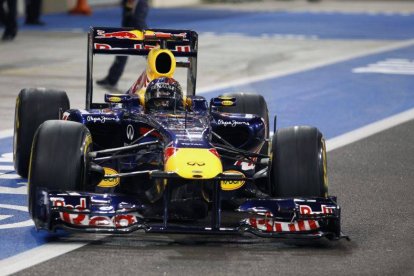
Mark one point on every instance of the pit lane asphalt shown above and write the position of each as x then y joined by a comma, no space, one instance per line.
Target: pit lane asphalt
373,179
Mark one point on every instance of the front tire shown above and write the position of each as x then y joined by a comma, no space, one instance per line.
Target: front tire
33,107
58,159
298,163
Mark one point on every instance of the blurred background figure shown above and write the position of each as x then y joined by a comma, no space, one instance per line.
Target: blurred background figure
134,14
8,18
33,12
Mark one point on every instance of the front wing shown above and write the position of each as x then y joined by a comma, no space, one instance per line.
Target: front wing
113,213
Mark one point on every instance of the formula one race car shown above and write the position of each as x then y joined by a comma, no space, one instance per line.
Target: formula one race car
156,160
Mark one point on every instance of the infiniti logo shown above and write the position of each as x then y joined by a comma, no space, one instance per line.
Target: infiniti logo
130,132
200,164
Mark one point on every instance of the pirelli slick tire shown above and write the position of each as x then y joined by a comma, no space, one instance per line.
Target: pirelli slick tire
298,163
58,159
33,107
248,103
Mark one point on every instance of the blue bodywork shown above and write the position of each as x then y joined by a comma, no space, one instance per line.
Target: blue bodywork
130,206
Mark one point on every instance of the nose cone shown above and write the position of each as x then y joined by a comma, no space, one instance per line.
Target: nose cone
194,163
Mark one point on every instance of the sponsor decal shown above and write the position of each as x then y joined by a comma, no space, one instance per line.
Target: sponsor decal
232,123
133,35
137,35
109,182
307,210
100,119
230,185
116,221
101,46
227,103
246,166
130,132
190,143
185,49
151,34
114,99
192,163
270,225
167,86
105,46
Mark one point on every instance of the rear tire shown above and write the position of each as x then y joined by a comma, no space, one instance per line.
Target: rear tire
33,107
58,159
247,103
299,163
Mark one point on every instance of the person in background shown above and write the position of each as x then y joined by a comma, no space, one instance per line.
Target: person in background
9,19
2,14
134,14
33,12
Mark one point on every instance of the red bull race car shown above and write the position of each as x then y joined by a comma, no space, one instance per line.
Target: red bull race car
162,160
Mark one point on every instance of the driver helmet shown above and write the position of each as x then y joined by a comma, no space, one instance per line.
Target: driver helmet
165,95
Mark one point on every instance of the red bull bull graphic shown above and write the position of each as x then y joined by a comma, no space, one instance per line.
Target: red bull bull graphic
134,35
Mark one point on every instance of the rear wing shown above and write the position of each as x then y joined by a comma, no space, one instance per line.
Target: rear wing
130,41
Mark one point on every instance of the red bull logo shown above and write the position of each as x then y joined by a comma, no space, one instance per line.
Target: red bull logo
116,221
307,210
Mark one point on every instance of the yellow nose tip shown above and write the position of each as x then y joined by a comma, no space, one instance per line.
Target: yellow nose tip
193,163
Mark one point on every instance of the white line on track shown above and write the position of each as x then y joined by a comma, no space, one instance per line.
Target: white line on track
6,168
6,160
51,250
333,60
14,207
368,130
14,191
36,255
25,223
4,217
9,176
